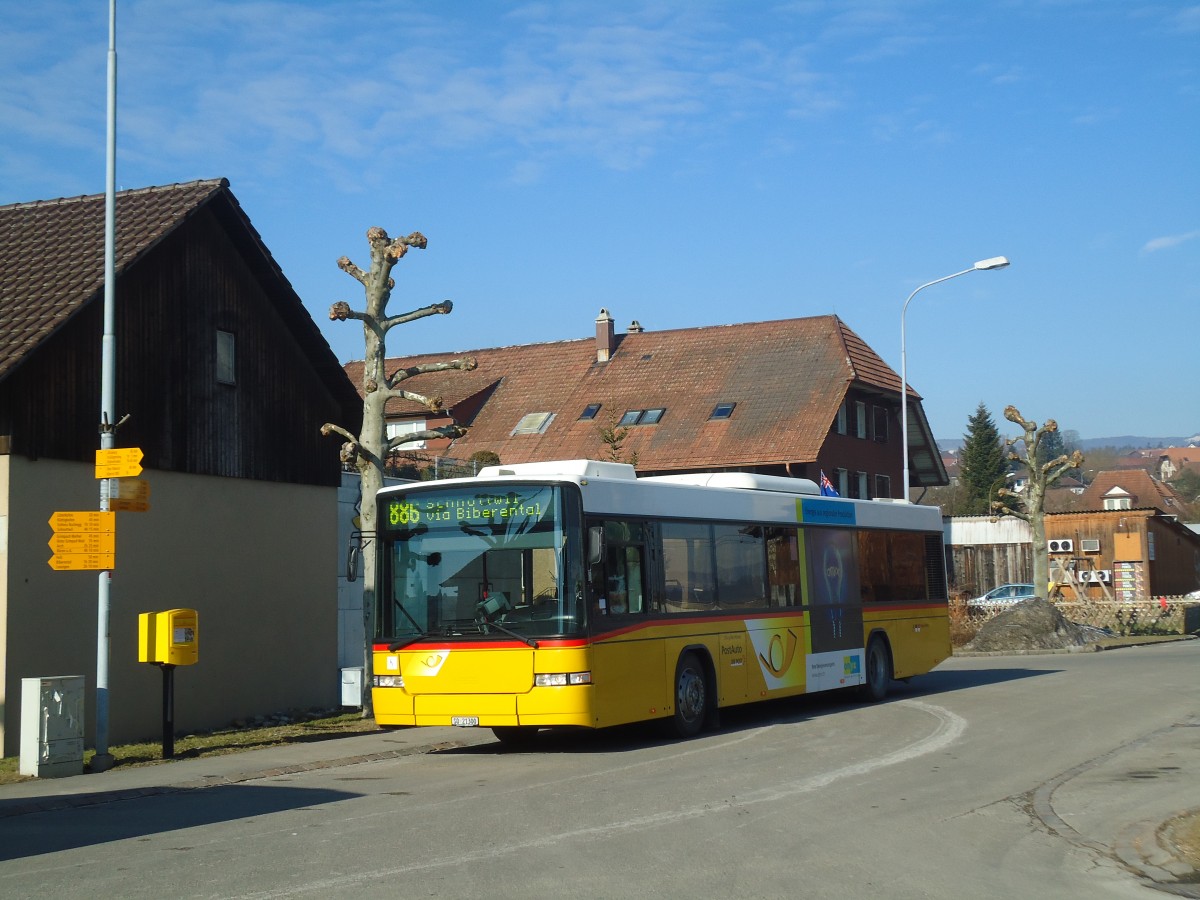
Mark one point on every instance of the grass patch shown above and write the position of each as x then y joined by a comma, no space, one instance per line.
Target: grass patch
298,728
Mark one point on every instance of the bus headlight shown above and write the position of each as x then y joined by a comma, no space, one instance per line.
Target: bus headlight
561,679
389,681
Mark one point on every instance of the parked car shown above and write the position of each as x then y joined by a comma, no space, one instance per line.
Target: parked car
1005,595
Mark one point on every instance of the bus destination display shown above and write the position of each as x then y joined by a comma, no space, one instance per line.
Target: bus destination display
466,509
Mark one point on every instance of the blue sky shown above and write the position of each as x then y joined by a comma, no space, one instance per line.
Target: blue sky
684,164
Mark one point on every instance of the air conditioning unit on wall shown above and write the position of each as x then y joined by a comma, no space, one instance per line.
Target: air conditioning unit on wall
1099,575
1060,545
1090,545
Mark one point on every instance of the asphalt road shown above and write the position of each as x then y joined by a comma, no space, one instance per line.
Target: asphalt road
1005,777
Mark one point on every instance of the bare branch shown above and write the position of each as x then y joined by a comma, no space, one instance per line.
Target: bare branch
463,365
329,428
433,434
433,404
434,309
400,246
341,311
351,269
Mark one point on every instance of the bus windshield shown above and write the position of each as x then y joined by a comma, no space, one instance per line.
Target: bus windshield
484,561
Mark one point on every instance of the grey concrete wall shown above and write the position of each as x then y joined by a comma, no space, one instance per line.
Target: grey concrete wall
257,560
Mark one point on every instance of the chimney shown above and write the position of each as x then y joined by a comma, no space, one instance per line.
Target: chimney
606,339
635,327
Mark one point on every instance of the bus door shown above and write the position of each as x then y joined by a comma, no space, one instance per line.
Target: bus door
627,662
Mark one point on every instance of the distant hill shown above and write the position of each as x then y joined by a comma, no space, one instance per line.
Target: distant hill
1122,442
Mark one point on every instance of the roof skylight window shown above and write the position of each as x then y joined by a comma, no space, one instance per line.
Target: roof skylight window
534,423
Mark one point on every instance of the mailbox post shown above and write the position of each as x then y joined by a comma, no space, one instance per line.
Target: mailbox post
169,639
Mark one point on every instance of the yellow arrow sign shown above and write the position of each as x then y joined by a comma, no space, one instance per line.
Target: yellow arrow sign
79,561
83,542
131,489
120,504
85,520
118,463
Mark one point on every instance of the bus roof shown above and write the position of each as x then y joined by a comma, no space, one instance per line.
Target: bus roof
611,487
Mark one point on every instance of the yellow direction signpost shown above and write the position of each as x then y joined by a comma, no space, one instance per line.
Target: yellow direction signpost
121,462
83,540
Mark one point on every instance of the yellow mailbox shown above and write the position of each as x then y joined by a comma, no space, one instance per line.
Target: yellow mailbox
169,638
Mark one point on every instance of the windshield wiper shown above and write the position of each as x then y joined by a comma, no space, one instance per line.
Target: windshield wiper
525,639
405,641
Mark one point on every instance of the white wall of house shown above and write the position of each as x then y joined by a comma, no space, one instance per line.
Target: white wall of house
255,559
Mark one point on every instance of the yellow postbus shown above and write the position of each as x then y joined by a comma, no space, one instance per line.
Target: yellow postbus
574,593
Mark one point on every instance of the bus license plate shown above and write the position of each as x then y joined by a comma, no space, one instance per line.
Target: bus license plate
465,721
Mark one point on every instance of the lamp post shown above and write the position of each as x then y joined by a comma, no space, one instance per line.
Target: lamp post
996,262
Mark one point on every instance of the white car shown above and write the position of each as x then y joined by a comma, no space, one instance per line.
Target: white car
1005,595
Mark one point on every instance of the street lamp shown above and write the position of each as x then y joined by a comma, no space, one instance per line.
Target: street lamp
996,262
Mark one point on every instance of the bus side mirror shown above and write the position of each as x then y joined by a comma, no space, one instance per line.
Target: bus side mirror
595,545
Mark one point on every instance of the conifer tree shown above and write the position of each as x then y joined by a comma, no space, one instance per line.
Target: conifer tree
982,465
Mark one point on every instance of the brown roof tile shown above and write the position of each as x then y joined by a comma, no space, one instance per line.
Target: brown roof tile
1146,491
787,377
54,255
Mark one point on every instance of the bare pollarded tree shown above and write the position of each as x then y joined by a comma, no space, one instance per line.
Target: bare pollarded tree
1030,503
368,451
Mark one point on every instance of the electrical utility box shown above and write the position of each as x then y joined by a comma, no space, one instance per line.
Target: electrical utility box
170,638
52,726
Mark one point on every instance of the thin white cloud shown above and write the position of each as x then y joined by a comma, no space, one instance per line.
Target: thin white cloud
1169,242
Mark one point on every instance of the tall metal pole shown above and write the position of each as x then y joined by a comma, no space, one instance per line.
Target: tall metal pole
108,380
996,262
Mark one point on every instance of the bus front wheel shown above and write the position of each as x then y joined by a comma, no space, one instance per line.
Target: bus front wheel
879,671
691,696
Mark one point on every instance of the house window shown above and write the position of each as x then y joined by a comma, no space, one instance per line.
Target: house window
1117,503
841,418
226,358
408,426
880,415
722,411
883,486
842,480
533,423
641,417
863,492
860,419
589,412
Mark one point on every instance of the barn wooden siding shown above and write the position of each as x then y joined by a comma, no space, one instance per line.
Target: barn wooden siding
170,305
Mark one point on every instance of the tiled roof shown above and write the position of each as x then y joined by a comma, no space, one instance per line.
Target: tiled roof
1146,491
787,379
54,255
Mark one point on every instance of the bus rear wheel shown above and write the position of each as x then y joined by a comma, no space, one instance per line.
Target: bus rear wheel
879,671
691,696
